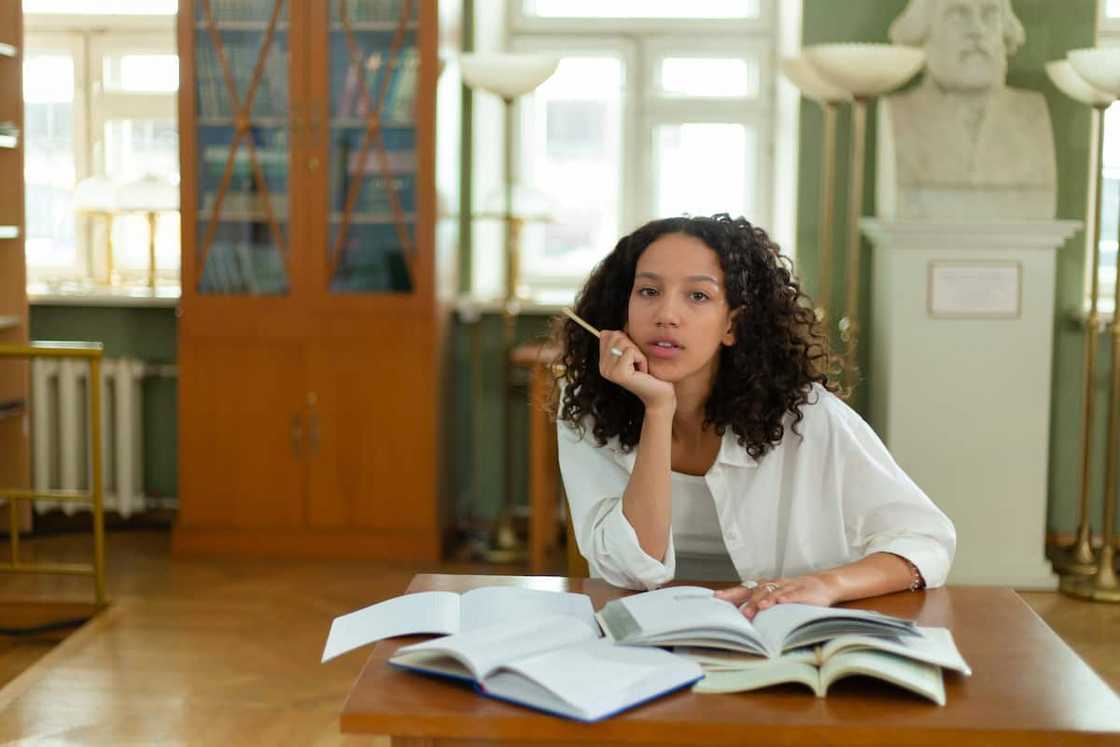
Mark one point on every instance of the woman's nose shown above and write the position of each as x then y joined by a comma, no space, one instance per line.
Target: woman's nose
667,314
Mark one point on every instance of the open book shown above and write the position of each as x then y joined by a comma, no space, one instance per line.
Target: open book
444,612
692,616
555,664
913,662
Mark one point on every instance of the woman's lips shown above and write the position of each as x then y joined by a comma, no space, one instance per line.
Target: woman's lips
664,352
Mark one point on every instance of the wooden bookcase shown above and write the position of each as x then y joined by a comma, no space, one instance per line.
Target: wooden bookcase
14,469
316,275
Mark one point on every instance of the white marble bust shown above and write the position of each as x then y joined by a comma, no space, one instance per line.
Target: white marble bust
962,145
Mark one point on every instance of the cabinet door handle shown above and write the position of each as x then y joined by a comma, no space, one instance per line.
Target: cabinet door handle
295,435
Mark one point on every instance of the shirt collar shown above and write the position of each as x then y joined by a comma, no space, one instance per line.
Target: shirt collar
730,453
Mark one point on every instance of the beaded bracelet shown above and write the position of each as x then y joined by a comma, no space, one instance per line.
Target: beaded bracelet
917,583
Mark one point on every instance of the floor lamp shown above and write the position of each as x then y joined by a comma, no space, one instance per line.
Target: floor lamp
802,74
1077,558
508,76
1100,68
866,71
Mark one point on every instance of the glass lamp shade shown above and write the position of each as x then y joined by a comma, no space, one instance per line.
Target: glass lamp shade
95,194
149,193
1069,81
1099,66
507,75
802,74
866,69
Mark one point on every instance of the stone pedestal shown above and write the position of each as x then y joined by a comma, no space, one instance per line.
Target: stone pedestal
962,319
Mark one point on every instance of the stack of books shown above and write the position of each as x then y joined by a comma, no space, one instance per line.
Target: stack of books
544,650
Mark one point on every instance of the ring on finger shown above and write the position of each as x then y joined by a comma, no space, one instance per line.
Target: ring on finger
771,587
616,352
749,584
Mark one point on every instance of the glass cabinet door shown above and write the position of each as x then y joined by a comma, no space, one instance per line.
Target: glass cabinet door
373,78
242,103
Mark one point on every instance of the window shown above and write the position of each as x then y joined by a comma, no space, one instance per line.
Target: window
100,101
658,108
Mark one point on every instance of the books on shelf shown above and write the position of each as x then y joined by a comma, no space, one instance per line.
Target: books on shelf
243,268
556,664
367,10
693,616
913,662
446,612
400,93
246,204
241,50
241,10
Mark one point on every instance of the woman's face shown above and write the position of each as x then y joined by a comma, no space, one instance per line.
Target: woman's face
678,313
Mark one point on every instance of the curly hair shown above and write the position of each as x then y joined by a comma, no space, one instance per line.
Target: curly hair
778,354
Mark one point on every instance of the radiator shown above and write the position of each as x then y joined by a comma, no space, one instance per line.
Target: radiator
60,448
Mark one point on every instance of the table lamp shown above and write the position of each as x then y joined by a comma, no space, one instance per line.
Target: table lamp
149,195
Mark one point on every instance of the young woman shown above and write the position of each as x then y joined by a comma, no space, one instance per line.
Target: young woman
700,438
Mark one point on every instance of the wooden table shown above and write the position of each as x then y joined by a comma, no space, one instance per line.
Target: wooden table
1027,687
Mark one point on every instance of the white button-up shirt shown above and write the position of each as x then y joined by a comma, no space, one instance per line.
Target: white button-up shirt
829,496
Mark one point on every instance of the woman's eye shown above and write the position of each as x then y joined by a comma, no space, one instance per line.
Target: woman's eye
647,292
698,296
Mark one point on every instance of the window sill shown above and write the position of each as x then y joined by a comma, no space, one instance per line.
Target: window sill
470,308
42,294
1078,318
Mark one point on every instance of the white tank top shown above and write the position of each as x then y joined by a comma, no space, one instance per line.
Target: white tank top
697,537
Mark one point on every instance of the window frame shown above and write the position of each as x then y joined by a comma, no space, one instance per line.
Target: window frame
89,39
645,42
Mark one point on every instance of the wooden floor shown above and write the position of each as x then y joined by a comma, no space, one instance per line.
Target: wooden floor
227,652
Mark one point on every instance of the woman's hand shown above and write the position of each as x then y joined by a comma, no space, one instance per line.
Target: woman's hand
630,370
813,589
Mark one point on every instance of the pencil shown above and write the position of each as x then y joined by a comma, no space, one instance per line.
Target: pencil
575,318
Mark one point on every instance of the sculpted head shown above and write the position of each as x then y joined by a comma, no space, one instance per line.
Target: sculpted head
967,42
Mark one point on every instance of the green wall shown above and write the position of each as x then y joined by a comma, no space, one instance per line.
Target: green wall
1052,29
144,333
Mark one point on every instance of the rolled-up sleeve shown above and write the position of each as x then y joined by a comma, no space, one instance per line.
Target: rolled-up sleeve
884,510
594,483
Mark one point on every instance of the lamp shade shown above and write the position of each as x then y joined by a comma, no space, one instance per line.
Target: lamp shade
95,194
1070,82
802,74
1099,66
866,69
507,75
148,193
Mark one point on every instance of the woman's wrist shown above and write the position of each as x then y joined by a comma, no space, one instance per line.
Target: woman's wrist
835,585
663,408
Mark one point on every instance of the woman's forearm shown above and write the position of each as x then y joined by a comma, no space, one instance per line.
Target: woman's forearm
878,573
647,502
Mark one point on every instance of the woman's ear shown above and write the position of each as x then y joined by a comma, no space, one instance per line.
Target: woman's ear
728,338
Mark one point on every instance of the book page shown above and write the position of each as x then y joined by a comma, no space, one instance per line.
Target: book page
931,645
715,660
483,650
923,679
677,614
766,673
490,605
595,678
411,614
786,626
